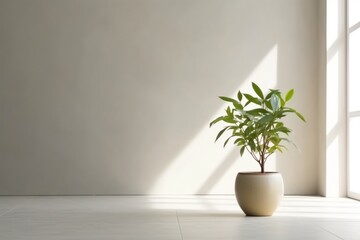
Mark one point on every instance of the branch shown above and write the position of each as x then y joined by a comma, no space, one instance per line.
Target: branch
252,154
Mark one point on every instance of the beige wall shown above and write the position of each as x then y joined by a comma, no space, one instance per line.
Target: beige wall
115,97
322,97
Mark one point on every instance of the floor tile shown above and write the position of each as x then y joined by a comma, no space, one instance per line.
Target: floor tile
174,218
214,227
345,230
9,203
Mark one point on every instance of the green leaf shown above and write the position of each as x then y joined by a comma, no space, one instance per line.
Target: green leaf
279,124
282,129
275,140
239,96
216,120
289,95
242,149
241,125
252,99
287,109
234,128
245,116
279,149
272,149
241,143
248,130
227,140
276,148
275,102
272,91
238,106
257,90
228,111
266,119
240,117
252,145
282,102
268,104
221,133
300,116
237,140
229,119
227,99
257,112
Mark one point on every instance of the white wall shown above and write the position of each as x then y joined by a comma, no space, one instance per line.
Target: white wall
332,96
115,97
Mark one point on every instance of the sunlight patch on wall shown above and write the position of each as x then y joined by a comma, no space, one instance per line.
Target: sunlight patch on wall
204,167
353,164
333,166
332,96
333,152
335,99
333,21
354,16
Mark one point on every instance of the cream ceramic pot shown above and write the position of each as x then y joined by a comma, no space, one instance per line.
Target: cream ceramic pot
259,194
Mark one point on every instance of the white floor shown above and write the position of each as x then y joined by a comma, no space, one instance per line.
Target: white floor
174,217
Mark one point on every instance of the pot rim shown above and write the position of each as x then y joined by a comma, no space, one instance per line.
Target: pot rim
257,173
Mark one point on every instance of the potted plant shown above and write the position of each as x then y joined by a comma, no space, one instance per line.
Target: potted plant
255,125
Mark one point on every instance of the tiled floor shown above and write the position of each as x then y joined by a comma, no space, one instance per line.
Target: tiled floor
174,218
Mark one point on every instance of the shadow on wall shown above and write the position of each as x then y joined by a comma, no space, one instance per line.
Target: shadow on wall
116,97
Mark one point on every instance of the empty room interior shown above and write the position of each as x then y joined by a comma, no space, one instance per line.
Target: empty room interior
114,116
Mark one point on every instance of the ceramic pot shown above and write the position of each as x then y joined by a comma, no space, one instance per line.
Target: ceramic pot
259,194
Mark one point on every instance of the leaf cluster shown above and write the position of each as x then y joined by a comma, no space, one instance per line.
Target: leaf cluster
255,122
